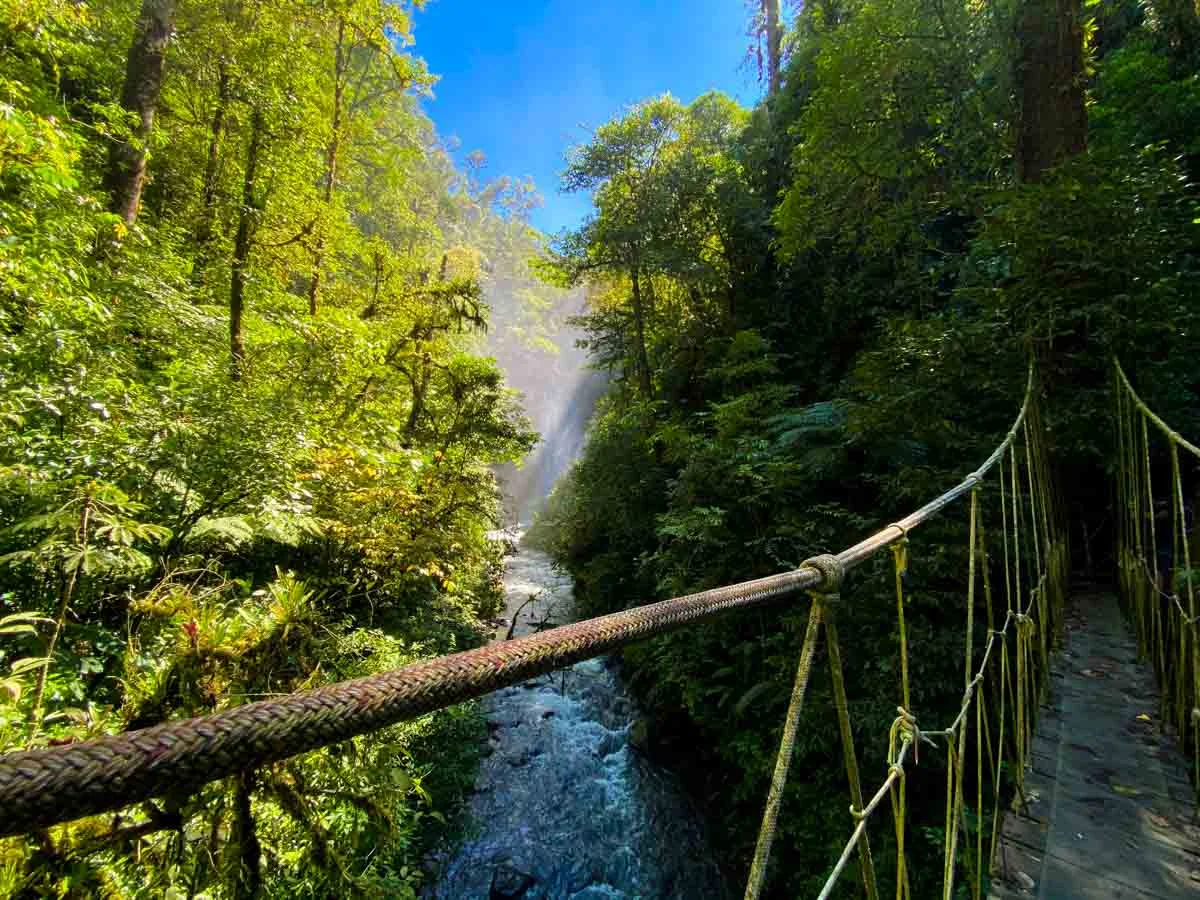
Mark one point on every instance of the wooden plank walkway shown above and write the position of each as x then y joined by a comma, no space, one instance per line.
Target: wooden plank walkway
1110,810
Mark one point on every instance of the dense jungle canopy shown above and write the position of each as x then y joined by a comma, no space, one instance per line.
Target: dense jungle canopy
251,410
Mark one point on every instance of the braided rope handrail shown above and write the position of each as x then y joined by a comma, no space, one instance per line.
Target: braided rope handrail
1170,433
46,786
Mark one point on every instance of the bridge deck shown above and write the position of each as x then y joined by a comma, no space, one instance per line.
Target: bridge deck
1110,810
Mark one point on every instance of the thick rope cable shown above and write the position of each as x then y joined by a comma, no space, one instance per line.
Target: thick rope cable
42,787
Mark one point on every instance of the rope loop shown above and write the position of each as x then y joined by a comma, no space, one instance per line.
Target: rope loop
832,572
904,731
900,551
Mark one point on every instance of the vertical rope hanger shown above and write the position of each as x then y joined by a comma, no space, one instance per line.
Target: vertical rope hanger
783,759
1031,598
958,756
824,598
899,791
1163,600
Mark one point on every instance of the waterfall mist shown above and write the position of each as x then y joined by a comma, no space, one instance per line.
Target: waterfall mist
559,393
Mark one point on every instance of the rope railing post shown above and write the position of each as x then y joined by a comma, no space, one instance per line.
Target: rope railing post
900,564
1158,625
956,778
1178,548
899,796
993,755
1020,735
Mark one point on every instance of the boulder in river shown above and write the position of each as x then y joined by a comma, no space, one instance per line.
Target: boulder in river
510,883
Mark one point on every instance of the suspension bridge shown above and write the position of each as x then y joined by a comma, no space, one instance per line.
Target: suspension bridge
1072,764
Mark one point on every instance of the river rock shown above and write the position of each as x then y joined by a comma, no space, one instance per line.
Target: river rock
610,743
639,734
510,883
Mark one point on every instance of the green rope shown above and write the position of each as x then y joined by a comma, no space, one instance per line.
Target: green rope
783,760
866,864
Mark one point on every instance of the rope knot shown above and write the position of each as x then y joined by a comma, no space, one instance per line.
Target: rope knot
904,731
1025,624
831,570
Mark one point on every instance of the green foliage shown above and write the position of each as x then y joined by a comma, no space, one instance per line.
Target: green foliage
174,540
861,345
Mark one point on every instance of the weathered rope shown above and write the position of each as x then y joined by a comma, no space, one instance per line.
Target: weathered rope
1166,629
1035,571
783,760
850,757
823,595
41,787
905,723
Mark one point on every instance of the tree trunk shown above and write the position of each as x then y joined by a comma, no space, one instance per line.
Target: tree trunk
774,38
331,160
143,82
639,324
247,219
206,227
1053,119
420,378
372,308
1181,28
248,880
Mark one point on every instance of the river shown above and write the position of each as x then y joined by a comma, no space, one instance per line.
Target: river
566,806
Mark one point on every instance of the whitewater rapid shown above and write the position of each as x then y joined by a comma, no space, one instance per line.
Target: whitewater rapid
565,803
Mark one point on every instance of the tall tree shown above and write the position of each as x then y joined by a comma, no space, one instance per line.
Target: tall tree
367,74
766,35
1180,27
1052,124
774,44
145,65
621,165
248,216
208,214
341,57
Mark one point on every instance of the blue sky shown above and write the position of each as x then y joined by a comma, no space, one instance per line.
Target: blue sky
522,80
